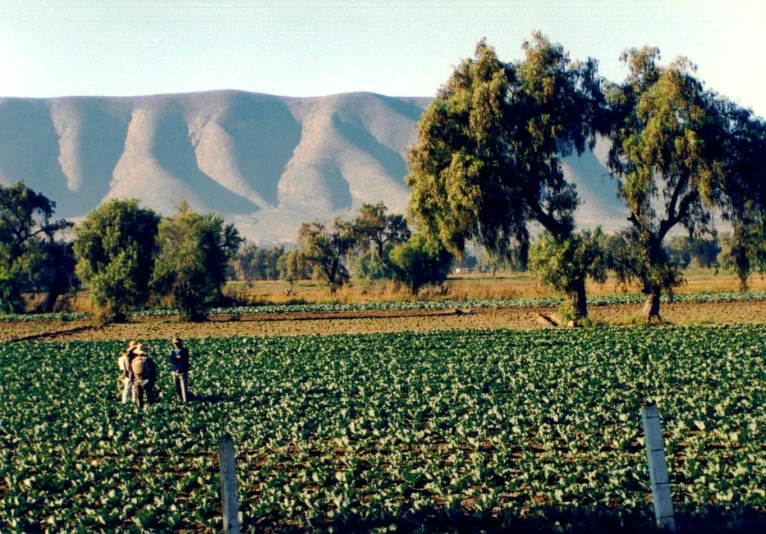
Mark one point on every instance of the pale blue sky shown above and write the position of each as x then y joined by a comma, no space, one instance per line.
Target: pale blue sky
315,48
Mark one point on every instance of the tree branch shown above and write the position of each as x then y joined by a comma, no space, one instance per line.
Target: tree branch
676,193
675,218
548,221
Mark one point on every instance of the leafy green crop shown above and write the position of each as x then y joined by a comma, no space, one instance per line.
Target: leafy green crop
24,317
544,302
441,429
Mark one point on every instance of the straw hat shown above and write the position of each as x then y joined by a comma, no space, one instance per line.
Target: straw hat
132,345
139,349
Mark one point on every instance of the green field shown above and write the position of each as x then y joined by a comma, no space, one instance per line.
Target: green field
479,429
700,297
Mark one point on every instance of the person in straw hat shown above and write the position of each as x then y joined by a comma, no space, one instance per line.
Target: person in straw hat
144,375
123,364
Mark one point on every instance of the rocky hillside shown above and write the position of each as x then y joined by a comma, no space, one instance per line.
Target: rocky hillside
267,163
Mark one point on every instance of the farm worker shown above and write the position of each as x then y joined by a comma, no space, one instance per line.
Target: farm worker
179,361
123,363
144,373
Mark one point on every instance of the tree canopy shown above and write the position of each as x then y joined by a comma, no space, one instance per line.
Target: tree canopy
52,266
378,231
115,249
486,162
679,152
254,263
327,248
27,243
745,188
194,250
420,261
292,267
565,264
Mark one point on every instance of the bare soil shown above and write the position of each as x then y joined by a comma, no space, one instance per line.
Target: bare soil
375,321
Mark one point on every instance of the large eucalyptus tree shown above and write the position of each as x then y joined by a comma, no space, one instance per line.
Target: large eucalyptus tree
680,152
487,160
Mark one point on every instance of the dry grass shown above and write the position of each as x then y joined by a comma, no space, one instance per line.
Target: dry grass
475,286
472,286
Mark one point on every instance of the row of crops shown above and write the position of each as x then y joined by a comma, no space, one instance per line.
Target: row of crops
447,430
546,302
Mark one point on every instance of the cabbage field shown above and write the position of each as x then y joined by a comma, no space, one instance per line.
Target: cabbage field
440,431
542,302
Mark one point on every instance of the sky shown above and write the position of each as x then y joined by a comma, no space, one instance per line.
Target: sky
52,48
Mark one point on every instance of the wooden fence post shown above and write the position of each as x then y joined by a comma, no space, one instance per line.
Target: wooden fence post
658,468
229,485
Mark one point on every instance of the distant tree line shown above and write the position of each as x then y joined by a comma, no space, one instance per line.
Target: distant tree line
377,245
252,263
373,245
130,258
125,254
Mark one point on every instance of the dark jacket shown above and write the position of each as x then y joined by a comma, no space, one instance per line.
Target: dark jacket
179,360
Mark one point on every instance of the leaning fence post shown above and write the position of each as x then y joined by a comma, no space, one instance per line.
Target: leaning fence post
229,485
658,468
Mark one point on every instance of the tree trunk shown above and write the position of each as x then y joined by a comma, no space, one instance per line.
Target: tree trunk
49,304
577,297
652,306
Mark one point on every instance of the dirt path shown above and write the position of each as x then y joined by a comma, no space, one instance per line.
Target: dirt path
374,321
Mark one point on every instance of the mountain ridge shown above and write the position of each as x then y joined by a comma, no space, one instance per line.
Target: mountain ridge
264,162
